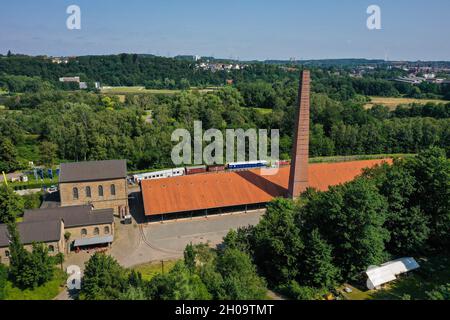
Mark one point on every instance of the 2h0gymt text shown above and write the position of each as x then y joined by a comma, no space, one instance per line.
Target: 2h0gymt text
250,309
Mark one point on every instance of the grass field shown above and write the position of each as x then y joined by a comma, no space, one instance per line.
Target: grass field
263,111
149,270
140,89
358,157
393,103
46,292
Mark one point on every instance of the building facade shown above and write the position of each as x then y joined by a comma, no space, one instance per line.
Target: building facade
101,184
61,229
83,226
50,233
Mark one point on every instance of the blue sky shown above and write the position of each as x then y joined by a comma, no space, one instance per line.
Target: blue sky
245,29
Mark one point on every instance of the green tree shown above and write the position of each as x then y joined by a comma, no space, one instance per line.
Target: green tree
11,204
351,218
32,200
28,269
440,293
431,170
8,156
189,257
317,263
408,225
104,279
3,281
178,284
240,280
47,152
277,242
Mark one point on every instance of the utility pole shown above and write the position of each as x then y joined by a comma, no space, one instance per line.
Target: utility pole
162,266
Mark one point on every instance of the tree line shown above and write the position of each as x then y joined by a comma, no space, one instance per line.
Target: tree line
203,274
87,126
20,73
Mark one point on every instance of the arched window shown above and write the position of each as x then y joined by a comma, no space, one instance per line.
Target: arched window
96,231
83,232
113,190
75,193
7,253
88,192
100,191
51,248
106,230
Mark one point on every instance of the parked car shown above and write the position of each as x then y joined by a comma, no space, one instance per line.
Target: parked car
127,219
52,189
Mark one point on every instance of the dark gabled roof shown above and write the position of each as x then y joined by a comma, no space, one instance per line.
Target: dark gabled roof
37,231
75,216
93,170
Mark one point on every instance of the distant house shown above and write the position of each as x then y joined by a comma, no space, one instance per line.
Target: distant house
17,176
387,272
69,79
83,85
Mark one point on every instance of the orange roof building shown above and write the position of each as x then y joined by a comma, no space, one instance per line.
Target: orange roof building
240,188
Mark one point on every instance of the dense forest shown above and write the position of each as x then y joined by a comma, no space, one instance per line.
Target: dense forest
86,126
43,123
19,73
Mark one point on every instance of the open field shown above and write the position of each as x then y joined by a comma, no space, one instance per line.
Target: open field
358,157
151,269
263,111
393,103
140,89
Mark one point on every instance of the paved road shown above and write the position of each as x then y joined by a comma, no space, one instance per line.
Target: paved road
137,244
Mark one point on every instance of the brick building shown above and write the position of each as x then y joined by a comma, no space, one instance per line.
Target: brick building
101,184
50,233
84,227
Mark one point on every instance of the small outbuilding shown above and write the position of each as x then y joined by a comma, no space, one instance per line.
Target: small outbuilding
387,272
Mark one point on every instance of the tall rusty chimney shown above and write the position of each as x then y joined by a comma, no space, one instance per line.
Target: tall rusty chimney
298,177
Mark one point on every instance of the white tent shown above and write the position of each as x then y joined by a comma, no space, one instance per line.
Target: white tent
387,272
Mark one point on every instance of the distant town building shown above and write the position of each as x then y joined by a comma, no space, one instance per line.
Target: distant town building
99,183
59,60
69,79
17,176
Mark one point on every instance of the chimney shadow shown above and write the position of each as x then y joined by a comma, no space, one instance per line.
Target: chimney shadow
263,183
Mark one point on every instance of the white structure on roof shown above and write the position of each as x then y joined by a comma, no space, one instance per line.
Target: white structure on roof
387,272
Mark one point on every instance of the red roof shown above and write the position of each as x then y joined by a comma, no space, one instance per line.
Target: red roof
228,189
